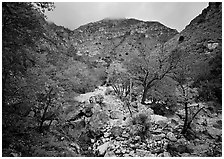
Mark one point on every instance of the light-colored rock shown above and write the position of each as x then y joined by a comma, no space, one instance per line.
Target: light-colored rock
137,138
185,155
123,150
171,136
106,134
126,155
132,153
76,146
144,153
158,137
157,118
125,135
118,151
110,154
103,148
116,115
98,120
166,154
214,132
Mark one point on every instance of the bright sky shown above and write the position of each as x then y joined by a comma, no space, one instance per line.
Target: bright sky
175,15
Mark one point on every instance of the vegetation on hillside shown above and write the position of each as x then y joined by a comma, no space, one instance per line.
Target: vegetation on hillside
150,69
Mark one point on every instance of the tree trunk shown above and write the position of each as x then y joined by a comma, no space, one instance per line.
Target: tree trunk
45,110
144,95
185,127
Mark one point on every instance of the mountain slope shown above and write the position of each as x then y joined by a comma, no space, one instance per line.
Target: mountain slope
202,41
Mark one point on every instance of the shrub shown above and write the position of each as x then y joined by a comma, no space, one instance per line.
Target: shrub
140,125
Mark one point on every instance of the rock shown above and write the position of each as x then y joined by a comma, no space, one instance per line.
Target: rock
134,104
126,155
171,136
116,115
144,153
98,120
96,107
106,135
137,145
157,131
177,147
110,154
123,150
125,135
146,110
162,123
132,153
182,148
160,155
103,148
109,91
92,140
173,123
76,146
15,154
132,145
103,140
137,138
118,151
119,138
214,132
157,118
200,148
166,154
158,137
185,155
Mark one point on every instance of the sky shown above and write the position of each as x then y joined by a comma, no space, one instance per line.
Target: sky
176,15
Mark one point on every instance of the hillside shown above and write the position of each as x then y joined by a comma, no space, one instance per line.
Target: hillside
111,88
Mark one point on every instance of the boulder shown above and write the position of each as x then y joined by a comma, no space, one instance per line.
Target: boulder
110,154
144,109
158,137
116,115
166,154
98,120
173,123
125,135
134,104
157,118
214,132
144,153
103,148
171,136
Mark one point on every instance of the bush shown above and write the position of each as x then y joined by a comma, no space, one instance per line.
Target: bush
140,125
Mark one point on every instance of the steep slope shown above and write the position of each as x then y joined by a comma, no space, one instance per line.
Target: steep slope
202,40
